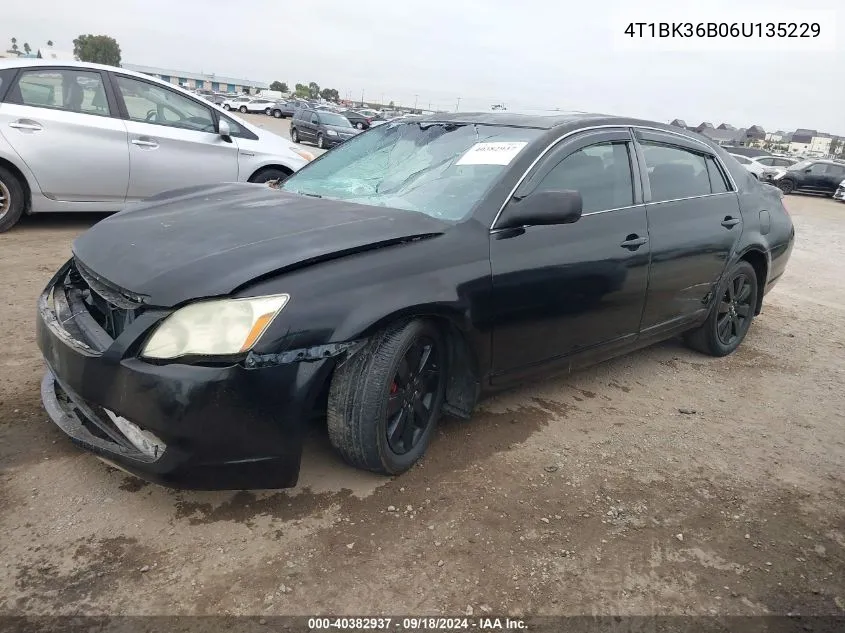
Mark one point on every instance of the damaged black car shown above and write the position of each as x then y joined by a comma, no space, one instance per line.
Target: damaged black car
191,339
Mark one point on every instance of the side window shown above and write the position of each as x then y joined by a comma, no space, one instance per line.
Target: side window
237,130
836,171
150,103
768,161
315,119
71,90
600,173
675,173
783,162
718,184
818,168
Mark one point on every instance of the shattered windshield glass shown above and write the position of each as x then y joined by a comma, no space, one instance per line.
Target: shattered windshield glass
440,169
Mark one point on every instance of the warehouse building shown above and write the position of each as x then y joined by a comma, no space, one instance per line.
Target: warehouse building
207,81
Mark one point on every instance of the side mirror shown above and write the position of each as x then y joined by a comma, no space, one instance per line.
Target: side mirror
224,130
808,170
544,207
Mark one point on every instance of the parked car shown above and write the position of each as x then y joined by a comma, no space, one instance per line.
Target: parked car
323,128
742,150
839,194
257,105
234,103
754,168
70,131
420,265
811,176
360,120
283,109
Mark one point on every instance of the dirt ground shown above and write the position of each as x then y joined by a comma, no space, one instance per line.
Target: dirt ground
586,494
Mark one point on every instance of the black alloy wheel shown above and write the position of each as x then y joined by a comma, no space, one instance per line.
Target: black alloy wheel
412,395
386,398
267,111
731,314
735,309
786,185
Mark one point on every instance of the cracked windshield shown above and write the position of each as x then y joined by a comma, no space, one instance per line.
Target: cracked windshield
439,169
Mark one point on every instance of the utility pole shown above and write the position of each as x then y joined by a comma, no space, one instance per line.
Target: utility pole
416,98
362,97
458,105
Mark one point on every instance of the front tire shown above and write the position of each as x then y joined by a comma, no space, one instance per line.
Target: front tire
268,174
320,142
359,125
12,200
243,109
384,401
226,106
277,114
731,314
267,112
294,135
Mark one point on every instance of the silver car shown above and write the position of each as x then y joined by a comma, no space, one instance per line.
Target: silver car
86,137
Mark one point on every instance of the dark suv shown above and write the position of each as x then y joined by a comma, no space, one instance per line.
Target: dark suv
812,176
324,129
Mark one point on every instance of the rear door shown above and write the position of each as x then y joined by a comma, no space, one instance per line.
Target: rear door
173,140
63,123
814,177
833,176
563,289
694,224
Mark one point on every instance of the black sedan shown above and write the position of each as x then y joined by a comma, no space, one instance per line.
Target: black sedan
284,109
421,265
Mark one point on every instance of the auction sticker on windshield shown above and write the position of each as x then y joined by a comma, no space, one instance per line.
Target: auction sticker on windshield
498,153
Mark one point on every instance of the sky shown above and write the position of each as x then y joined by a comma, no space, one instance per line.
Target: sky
524,54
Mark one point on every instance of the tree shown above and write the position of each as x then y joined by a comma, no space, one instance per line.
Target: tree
314,89
100,49
50,43
280,86
835,146
391,104
14,50
301,90
330,94
26,48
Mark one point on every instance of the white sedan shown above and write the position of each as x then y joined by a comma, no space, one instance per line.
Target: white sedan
234,103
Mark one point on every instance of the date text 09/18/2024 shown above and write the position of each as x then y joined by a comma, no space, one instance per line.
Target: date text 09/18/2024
416,624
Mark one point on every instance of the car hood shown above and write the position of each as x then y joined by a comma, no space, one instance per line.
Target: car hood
343,130
209,241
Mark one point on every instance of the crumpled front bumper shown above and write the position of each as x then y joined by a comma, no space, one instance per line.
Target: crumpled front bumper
221,427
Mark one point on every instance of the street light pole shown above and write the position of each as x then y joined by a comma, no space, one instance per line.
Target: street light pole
362,97
416,98
458,105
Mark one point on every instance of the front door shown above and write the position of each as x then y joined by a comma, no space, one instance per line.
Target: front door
833,176
559,290
61,123
173,141
694,223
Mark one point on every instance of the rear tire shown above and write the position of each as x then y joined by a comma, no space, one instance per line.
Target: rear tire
786,185
294,135
277,114
359,125
320,141
243,109
377,419
267,112
12,200
226,106
731,314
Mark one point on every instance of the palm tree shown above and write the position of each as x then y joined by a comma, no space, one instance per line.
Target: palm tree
26,48
14,50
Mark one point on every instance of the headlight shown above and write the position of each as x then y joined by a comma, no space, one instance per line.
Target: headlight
306,155
220,327
331,132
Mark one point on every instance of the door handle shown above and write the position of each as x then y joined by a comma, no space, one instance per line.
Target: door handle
144,143
730,222
23,125
633,242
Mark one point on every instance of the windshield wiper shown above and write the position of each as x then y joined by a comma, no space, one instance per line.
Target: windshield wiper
310,195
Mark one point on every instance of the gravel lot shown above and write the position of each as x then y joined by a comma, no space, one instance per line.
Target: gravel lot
587,494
